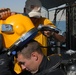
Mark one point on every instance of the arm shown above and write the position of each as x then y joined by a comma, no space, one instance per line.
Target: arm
59,37
55,35
49,33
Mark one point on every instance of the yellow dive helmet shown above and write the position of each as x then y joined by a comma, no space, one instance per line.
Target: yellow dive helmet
14,27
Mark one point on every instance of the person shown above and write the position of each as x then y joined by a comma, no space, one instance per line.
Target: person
33,9
31,58
35,15
13,26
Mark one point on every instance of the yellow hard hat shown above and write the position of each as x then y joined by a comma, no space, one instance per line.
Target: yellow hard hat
20,24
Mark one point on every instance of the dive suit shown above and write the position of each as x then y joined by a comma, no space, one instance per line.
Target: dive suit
50,66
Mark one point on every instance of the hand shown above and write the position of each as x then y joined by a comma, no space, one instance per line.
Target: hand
48,33
5,13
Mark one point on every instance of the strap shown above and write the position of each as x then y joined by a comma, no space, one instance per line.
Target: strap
49,70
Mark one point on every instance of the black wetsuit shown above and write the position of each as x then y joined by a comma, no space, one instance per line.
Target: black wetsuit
50,66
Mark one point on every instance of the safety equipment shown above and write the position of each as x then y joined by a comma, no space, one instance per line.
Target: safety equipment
33,8
20,25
